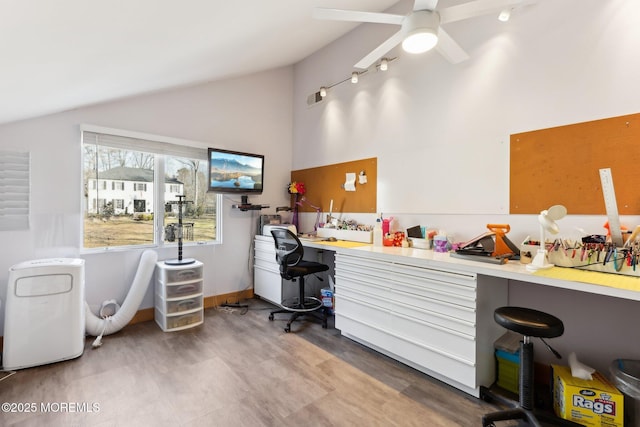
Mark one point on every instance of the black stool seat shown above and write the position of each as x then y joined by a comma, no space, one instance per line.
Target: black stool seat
529,322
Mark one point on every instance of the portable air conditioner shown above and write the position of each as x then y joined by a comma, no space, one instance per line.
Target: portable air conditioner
44,318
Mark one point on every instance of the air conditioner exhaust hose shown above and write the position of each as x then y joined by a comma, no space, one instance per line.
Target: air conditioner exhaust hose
97,326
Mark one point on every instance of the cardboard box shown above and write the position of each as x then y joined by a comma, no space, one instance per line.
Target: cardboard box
593,402
327,299
508,371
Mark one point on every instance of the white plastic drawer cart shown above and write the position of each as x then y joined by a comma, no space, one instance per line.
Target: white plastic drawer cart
179,297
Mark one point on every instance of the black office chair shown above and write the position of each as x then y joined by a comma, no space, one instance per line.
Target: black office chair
529,323
289,253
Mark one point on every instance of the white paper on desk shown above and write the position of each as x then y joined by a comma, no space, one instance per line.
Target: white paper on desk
350,182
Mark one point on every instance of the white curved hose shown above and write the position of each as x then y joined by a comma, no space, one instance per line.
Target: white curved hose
97,326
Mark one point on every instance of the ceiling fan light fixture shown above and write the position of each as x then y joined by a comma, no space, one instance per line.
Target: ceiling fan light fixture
421,31
420,41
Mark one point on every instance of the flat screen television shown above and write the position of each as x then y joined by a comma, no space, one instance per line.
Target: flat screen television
235,172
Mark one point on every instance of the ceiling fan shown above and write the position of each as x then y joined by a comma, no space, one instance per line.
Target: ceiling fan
421,30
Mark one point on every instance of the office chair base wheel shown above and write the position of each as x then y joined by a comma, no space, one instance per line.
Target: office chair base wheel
271,317
287,329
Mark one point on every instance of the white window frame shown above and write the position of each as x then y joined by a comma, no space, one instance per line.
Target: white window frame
161,146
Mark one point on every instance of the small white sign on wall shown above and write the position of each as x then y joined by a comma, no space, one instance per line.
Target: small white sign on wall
14,190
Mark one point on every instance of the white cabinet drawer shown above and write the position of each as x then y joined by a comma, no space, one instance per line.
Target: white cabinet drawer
265,255
370,312
267,264
437,314
362,284
442,365
411,294
364,266
426,285
432,336
265,246
267,284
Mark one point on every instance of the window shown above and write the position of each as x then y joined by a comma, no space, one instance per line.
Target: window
131,188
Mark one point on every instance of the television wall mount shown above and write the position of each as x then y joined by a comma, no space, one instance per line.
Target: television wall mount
246,206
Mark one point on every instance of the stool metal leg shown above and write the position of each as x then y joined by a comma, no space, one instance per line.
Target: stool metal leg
526,374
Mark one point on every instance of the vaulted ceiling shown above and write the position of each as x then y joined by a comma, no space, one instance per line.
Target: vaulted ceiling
65,54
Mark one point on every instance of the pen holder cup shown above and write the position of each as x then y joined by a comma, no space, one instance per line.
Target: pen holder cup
528,253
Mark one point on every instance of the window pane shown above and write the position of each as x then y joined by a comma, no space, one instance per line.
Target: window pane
188,177
118,197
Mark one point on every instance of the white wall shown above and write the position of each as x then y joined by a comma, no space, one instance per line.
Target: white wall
251,113
441,131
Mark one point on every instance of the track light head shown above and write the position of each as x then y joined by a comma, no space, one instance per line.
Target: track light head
323,91
504,15
354,77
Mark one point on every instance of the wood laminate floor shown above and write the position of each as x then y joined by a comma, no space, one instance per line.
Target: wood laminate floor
235,370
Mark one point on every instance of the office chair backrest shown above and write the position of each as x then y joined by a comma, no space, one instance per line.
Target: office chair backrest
289,250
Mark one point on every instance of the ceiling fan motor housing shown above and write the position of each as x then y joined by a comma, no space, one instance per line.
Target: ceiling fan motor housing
420,30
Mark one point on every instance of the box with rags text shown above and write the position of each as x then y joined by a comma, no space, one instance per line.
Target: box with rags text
593,403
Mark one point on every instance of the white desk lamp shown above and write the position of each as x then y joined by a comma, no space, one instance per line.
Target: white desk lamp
547,220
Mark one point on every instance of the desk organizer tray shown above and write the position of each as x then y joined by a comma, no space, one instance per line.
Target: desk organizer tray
567,258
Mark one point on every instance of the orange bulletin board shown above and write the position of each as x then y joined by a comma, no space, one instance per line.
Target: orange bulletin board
325,183
562,165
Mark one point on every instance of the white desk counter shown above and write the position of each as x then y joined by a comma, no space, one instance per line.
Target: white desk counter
429,310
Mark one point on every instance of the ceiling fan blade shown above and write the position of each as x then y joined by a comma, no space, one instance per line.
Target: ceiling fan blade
425,4
378,52
476,8
449,48
357,16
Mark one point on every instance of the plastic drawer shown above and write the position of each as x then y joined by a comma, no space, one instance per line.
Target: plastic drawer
179,290
175,322
169,275
186,304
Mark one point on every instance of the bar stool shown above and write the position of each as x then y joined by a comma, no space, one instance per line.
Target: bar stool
530,323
